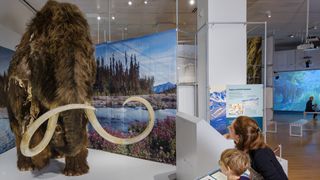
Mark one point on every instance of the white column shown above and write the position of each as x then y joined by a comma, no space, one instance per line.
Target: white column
269,90
222,48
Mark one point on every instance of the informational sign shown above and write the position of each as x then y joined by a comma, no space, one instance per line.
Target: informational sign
244,100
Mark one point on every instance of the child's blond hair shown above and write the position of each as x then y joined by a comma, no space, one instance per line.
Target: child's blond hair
238,161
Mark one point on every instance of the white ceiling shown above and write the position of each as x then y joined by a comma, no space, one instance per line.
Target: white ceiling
288,17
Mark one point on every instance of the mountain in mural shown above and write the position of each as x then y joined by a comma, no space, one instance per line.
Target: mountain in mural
164,87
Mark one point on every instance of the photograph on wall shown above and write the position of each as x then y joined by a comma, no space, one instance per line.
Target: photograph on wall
217,108
144,67
6,136
293,89
254,60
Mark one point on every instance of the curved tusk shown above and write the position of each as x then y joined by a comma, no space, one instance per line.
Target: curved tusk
53,116
24,146
96,125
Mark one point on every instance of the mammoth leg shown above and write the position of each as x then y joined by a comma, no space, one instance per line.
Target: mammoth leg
24,163
42,159
76,152
77,165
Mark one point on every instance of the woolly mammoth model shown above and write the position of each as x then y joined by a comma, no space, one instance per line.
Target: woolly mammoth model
51,77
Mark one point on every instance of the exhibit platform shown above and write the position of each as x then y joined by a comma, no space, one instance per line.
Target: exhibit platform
103,165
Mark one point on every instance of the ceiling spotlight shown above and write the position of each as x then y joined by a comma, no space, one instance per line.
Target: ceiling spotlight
191,2
291,36
113,18
98,18
268,14
130,3
145,2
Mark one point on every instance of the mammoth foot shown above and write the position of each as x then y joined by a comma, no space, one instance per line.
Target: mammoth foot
77,165
25,164
76,171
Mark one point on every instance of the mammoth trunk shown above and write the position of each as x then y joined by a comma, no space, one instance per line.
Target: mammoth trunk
75,135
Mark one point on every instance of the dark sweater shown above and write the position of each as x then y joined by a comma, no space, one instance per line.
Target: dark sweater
309,106
265,163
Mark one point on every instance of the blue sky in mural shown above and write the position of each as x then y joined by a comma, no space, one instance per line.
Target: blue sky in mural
5,58
293,89
150,49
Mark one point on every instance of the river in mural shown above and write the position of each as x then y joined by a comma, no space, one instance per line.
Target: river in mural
120,119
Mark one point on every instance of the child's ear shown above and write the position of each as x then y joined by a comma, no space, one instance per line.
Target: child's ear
229,170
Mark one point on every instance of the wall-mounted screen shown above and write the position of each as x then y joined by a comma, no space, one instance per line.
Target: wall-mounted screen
293,89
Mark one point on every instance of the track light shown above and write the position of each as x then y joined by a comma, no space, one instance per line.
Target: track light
268,13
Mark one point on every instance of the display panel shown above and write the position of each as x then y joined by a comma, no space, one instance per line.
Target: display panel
293,89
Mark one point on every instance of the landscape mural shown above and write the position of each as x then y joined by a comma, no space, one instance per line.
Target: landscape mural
146,67
6,135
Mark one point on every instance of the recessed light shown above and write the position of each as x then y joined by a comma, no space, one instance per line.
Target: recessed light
125,29
291,36
99,18
113,18
268,13
191,2
145,2
130,3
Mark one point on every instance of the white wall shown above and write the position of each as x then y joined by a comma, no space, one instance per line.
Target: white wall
227,43
292,60
186,97
227,55
8,38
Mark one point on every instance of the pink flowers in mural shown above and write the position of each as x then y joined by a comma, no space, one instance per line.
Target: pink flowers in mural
159,146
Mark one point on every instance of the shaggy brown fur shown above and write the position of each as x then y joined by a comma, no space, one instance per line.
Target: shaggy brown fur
55,60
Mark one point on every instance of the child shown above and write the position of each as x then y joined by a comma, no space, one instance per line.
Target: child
234,163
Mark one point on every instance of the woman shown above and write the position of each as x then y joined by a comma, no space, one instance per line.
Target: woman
248,138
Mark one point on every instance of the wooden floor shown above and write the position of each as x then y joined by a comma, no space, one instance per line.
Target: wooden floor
302,153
